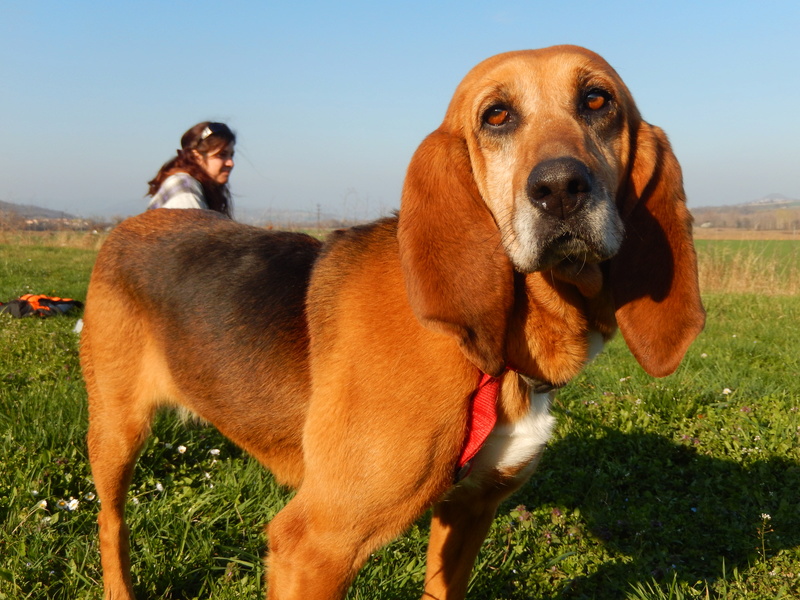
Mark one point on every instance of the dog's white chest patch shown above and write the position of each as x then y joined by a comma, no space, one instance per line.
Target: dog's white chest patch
513,445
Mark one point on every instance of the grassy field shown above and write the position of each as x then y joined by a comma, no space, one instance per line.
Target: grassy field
750,266
683,487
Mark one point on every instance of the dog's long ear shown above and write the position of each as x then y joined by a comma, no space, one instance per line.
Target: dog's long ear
458,278
654,276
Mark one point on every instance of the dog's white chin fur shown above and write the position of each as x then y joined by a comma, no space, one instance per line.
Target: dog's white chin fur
532,241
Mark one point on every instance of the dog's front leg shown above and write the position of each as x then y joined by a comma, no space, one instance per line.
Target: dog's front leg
319,541
307,558
460,523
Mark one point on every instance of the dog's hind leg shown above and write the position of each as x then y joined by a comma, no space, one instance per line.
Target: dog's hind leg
115,440
120,384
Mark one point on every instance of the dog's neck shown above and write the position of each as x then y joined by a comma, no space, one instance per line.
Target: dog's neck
551,323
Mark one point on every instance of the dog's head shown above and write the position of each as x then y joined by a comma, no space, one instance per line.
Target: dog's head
543,163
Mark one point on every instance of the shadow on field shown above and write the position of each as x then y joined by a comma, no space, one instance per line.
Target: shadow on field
663,507
667,507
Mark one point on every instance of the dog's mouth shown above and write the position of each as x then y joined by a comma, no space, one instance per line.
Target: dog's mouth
569,248
575,260
587,277
566,250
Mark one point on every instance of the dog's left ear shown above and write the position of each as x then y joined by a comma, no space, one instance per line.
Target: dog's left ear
458,278
654,275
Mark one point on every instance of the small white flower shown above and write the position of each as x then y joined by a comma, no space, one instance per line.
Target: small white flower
207,475
159,487
704,355
181,449
135,500
72,504
62,504
214,452
765,516
35,493
41,504
90,496
727,391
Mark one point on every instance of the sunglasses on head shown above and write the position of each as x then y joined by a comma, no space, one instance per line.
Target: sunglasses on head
212,129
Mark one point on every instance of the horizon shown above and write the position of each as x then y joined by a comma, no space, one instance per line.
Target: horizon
330,102
301,215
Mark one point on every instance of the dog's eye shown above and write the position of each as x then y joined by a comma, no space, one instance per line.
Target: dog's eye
595,100
497,115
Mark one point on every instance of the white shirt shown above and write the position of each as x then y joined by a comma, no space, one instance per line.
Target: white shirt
179,191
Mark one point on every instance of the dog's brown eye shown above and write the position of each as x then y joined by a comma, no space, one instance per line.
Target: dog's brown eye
496,116
595,100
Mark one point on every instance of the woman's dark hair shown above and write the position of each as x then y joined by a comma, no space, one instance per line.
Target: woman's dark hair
206,138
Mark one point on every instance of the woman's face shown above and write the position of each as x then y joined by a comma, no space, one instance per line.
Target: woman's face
218,163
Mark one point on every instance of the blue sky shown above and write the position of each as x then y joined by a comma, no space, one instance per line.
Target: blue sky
330,99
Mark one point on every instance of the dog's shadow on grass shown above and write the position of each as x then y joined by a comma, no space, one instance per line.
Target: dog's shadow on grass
666,508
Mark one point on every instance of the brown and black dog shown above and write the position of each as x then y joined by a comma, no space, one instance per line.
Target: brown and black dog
540,217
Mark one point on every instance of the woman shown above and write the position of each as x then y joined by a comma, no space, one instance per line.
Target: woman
198,176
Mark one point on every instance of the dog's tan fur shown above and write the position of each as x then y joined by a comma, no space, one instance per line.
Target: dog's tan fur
347,370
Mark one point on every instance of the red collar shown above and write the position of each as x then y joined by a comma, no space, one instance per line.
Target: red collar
480,421
483,416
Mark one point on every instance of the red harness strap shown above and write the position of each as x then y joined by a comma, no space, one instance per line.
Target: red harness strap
481,420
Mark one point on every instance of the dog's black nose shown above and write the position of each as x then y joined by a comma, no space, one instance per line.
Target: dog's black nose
559,186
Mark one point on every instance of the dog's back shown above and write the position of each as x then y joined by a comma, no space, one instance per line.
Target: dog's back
188,308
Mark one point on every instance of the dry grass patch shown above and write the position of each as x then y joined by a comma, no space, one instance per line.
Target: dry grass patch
54,239
730,233
768,267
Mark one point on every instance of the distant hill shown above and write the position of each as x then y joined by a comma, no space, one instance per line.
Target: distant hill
26,216
768,201
772,200
278,217
772,212
28,211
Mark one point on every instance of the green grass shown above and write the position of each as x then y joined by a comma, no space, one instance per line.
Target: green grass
45,270
650,488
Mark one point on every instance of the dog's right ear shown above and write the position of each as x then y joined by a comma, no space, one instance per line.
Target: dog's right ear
458,278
